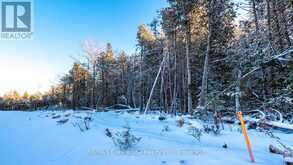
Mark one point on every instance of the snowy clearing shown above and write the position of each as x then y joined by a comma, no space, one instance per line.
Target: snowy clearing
55,138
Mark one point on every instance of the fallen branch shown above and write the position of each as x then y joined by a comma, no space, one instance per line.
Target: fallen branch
62,121
288,156
87,108
287,152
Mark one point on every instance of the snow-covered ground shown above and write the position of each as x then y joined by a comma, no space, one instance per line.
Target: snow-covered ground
35,138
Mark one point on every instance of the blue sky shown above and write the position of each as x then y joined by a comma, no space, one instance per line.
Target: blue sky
60,26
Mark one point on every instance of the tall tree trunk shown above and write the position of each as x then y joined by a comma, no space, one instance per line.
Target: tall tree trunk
281,10
269,20
161,93
183,85
64,94
255,16
154,84
187,48
170,81
278,28
103,87
141,82
268,70
204,84
237,90
174,101
133,84
93,99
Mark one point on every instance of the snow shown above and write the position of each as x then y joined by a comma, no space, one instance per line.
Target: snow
288,159
280,125
29,138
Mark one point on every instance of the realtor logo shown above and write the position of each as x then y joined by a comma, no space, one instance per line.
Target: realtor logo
16,19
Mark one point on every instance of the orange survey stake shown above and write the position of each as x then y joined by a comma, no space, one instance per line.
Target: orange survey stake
248,145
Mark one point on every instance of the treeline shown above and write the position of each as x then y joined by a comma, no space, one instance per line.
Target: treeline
206,57
12,100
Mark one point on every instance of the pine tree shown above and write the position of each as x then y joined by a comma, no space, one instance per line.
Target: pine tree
80,78
25,95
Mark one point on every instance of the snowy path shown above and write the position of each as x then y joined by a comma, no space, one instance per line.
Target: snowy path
33,139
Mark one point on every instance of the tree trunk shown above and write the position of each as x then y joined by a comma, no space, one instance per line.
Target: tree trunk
268,71
204,84
187,46
154,85
255,17
269,20
237,90
278,28
170,81
281,10
161,93
174,101
141,83
93,99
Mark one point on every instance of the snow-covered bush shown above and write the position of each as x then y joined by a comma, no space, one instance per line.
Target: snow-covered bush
195,132
166,128
122,100
281,103
123,139
162,118
180,122
225,145
83,124
211,128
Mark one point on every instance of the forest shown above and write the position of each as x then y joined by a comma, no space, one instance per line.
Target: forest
195,56
205,74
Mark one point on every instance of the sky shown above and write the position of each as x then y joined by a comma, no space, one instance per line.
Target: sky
60,27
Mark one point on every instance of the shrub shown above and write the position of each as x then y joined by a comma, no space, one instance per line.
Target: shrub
211,128
162,118
180,122
124,139
195,132
166,128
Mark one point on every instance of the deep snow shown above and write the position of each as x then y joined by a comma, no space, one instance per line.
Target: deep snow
34,138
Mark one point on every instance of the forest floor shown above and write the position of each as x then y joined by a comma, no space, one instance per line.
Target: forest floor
29,138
